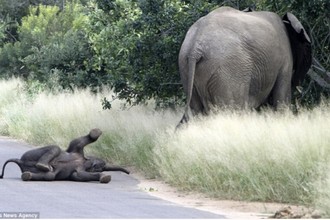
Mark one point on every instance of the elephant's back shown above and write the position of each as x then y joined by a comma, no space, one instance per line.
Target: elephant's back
234,33
240,22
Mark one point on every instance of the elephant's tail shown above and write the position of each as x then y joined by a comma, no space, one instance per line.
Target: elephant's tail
190,85
17,161
115,168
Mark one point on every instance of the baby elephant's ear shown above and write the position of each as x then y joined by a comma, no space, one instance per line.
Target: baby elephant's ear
300,47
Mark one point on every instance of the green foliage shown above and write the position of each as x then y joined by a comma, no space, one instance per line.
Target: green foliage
6,25
15,10
10,64
153,58
111,39
53,48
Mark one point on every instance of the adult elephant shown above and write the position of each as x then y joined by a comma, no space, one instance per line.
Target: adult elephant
51,163
241,59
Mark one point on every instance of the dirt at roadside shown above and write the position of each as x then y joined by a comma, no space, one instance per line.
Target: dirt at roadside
231,209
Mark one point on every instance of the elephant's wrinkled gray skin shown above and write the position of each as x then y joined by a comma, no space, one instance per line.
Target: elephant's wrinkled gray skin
51,163
242,60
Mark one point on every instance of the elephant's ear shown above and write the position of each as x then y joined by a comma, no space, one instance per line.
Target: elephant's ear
300,47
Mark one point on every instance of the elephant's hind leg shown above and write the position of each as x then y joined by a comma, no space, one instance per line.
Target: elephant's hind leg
50,152
282,91
77,145
84,176
95,133
27,176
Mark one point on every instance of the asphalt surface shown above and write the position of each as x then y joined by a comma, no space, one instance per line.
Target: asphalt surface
121,198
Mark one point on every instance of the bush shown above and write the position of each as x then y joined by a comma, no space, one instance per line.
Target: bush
53,48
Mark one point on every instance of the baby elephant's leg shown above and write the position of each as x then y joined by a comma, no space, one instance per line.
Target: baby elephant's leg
77,145
84,176
27,176
50,152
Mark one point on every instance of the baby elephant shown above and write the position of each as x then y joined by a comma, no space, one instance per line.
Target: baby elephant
51,163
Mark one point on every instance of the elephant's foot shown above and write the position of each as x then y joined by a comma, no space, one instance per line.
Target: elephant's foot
26,176
44,167
95,133
105,178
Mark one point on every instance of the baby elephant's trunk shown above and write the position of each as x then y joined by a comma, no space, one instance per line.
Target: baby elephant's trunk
109,167
17,161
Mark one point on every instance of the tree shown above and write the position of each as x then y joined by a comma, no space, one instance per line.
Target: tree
52,48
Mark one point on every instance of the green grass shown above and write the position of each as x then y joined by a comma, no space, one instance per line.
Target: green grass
268,156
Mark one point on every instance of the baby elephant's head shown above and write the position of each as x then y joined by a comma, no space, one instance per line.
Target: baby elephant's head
93,164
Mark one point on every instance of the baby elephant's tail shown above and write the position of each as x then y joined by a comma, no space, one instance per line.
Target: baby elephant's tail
115,168
17,161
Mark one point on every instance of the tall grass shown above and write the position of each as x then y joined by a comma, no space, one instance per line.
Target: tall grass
250,156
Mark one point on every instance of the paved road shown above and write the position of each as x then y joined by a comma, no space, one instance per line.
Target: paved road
121,198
